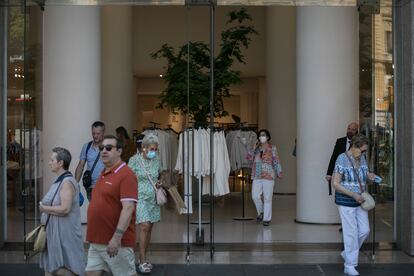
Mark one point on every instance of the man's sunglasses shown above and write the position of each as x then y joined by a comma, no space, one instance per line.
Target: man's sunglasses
107,147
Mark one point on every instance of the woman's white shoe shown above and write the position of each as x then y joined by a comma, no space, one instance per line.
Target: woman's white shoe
351,271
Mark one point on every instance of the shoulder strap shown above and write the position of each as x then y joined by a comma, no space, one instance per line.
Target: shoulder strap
97,157
96,161
357,175
146,172
54,195
88,147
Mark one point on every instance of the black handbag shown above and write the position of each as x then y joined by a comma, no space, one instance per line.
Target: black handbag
87,175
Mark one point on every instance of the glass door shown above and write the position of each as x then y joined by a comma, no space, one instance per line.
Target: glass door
21,97
3,108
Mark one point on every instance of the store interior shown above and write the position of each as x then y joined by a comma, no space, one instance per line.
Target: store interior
231,215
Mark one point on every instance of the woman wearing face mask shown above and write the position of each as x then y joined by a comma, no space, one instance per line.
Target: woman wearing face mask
146,165
266,167
350,169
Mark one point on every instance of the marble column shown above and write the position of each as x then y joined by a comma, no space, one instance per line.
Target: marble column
327,100
404,123
71,81
281,89
118,98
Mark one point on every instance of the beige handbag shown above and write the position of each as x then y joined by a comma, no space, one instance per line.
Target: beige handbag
38,235
369,202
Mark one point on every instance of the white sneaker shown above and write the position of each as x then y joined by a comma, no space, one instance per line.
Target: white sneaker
351,271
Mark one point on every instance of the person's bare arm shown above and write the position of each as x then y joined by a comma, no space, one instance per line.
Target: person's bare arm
66,197
79,170
114,244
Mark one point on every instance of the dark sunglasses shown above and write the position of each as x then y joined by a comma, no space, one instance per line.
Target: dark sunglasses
107,147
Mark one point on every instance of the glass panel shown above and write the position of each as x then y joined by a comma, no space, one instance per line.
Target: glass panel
3,108
24,118
15,115
377,110
383,108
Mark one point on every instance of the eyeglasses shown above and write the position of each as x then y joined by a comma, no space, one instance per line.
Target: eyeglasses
108,147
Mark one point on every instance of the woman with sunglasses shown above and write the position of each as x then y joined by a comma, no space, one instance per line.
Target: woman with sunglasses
146,164
351,169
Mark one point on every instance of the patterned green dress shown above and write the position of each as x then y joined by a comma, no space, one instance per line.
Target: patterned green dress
147,208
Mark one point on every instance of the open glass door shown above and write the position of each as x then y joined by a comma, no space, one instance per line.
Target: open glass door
3,105
21,99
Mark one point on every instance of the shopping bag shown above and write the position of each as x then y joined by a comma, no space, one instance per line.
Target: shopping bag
177,199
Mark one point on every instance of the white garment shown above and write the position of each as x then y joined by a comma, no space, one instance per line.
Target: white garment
194,159
265,187
186,169
355,230
348,143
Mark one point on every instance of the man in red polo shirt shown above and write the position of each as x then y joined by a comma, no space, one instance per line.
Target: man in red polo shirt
111,215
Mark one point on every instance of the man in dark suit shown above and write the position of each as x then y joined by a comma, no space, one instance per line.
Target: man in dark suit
342,144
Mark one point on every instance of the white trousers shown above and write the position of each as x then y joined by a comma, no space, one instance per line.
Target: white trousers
263,187
355,230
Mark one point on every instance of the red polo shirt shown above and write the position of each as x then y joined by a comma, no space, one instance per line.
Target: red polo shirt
113,187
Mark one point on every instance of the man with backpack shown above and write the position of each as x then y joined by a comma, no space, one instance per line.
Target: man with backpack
90,155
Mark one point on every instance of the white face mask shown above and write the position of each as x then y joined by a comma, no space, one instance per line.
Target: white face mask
263,139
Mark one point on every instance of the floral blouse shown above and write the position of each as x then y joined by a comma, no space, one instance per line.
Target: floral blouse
266,163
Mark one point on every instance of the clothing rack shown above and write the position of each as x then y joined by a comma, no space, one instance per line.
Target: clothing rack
169,128
243,183
200,222
152,126
243,127
240,126
200,230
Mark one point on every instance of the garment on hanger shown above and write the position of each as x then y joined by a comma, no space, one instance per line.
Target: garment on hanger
239,143
196,156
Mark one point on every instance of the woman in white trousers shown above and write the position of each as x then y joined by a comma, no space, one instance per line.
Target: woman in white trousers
350,173
266,167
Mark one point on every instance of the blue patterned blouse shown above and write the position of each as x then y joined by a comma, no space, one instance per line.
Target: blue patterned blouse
349,179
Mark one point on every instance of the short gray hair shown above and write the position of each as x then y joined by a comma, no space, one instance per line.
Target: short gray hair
359,140
150,139
64,155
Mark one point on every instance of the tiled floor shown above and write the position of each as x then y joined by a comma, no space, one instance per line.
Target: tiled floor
238,242
247,257
283,229
241,269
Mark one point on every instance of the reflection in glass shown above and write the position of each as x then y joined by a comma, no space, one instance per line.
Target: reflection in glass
377,109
